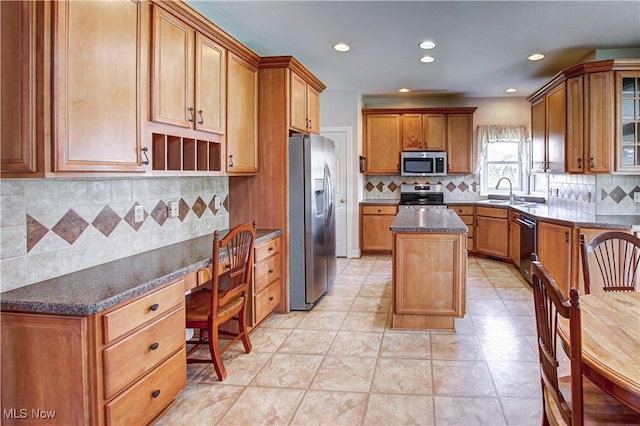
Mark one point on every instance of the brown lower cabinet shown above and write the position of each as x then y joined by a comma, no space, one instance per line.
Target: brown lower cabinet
124,365
267,283
375,221
554,252
492,231
466,213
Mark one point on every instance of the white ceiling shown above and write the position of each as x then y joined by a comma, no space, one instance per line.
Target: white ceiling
482,46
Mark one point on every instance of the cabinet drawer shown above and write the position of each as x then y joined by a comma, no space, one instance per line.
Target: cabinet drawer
134,314
134,356
380,210
468,220
462,210
267,300
492,212
266,272
266,249
138,405
471,231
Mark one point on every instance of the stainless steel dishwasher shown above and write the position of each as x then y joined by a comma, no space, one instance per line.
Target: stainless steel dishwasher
528,243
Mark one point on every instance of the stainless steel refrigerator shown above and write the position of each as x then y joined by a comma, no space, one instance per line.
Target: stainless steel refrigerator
312,229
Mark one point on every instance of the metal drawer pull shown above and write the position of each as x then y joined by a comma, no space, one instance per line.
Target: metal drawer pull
271,248
270,297
154,307
154,346
201,117
155,393
271,271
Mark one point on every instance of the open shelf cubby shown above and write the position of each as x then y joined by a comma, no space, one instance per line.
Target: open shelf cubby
176,153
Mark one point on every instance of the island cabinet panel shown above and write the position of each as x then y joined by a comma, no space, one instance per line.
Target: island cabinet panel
492,231
429,279
46,360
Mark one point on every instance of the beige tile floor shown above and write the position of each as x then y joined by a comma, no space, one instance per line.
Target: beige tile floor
341,364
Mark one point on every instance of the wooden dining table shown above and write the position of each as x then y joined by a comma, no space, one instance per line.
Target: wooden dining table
611,343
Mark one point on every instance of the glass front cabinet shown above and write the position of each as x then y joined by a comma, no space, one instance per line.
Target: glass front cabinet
628,125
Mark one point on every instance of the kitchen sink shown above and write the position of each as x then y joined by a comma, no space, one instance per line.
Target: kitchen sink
497,201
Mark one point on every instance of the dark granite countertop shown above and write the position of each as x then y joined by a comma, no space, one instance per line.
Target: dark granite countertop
545,212
100,287
432,220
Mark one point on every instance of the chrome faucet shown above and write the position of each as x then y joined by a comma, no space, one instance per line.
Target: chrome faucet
511,199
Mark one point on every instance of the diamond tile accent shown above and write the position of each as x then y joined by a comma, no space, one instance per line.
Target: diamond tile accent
106,221
369,187
463,187
199,207
35,232
160,213
380,186
225,203
212,205
392,186
131,215
183,207
617,194
70,227
451,186
603,194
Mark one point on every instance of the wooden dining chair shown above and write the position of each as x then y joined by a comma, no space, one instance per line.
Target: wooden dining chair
569,400
226,300
617,256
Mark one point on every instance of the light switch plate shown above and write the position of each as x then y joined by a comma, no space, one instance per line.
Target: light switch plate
174,210
138,214
636,197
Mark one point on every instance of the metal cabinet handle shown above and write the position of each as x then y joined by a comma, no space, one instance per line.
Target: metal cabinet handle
154,307
592,162
155,393
154,346
191,117
201,117
579,163
566,237
231,160
146,157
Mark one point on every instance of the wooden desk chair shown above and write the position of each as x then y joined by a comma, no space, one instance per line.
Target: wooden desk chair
617,255
569,400
206,309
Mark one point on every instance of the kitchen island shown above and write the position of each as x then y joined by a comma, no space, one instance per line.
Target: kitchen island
429,269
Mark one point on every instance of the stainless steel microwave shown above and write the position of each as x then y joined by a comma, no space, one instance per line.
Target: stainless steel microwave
423,163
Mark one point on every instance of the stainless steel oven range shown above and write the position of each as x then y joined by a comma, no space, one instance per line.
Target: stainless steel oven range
421,195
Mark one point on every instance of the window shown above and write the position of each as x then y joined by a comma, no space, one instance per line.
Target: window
503,152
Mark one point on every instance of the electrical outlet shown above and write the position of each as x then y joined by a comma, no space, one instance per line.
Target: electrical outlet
217,202
174,210
636,197
138,214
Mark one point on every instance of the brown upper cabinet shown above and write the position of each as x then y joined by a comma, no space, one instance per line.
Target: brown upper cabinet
189,72
388,132
92,103
423,132
304,105
578,120
242,104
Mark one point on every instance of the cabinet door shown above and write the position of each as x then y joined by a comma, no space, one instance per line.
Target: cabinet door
173,74
412,132
492,236
242,117
460,143
556,128
210,85
97,118
18,87
298,103
600,122
538,136
628,121
433,132
575,125
313,110
554,252
376,235
383,143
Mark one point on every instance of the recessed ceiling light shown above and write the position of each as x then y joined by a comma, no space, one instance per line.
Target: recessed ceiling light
536,57
427,59
403,90
511,90
341,47
427,44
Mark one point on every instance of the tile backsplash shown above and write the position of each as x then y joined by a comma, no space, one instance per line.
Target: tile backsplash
458,187
52,227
